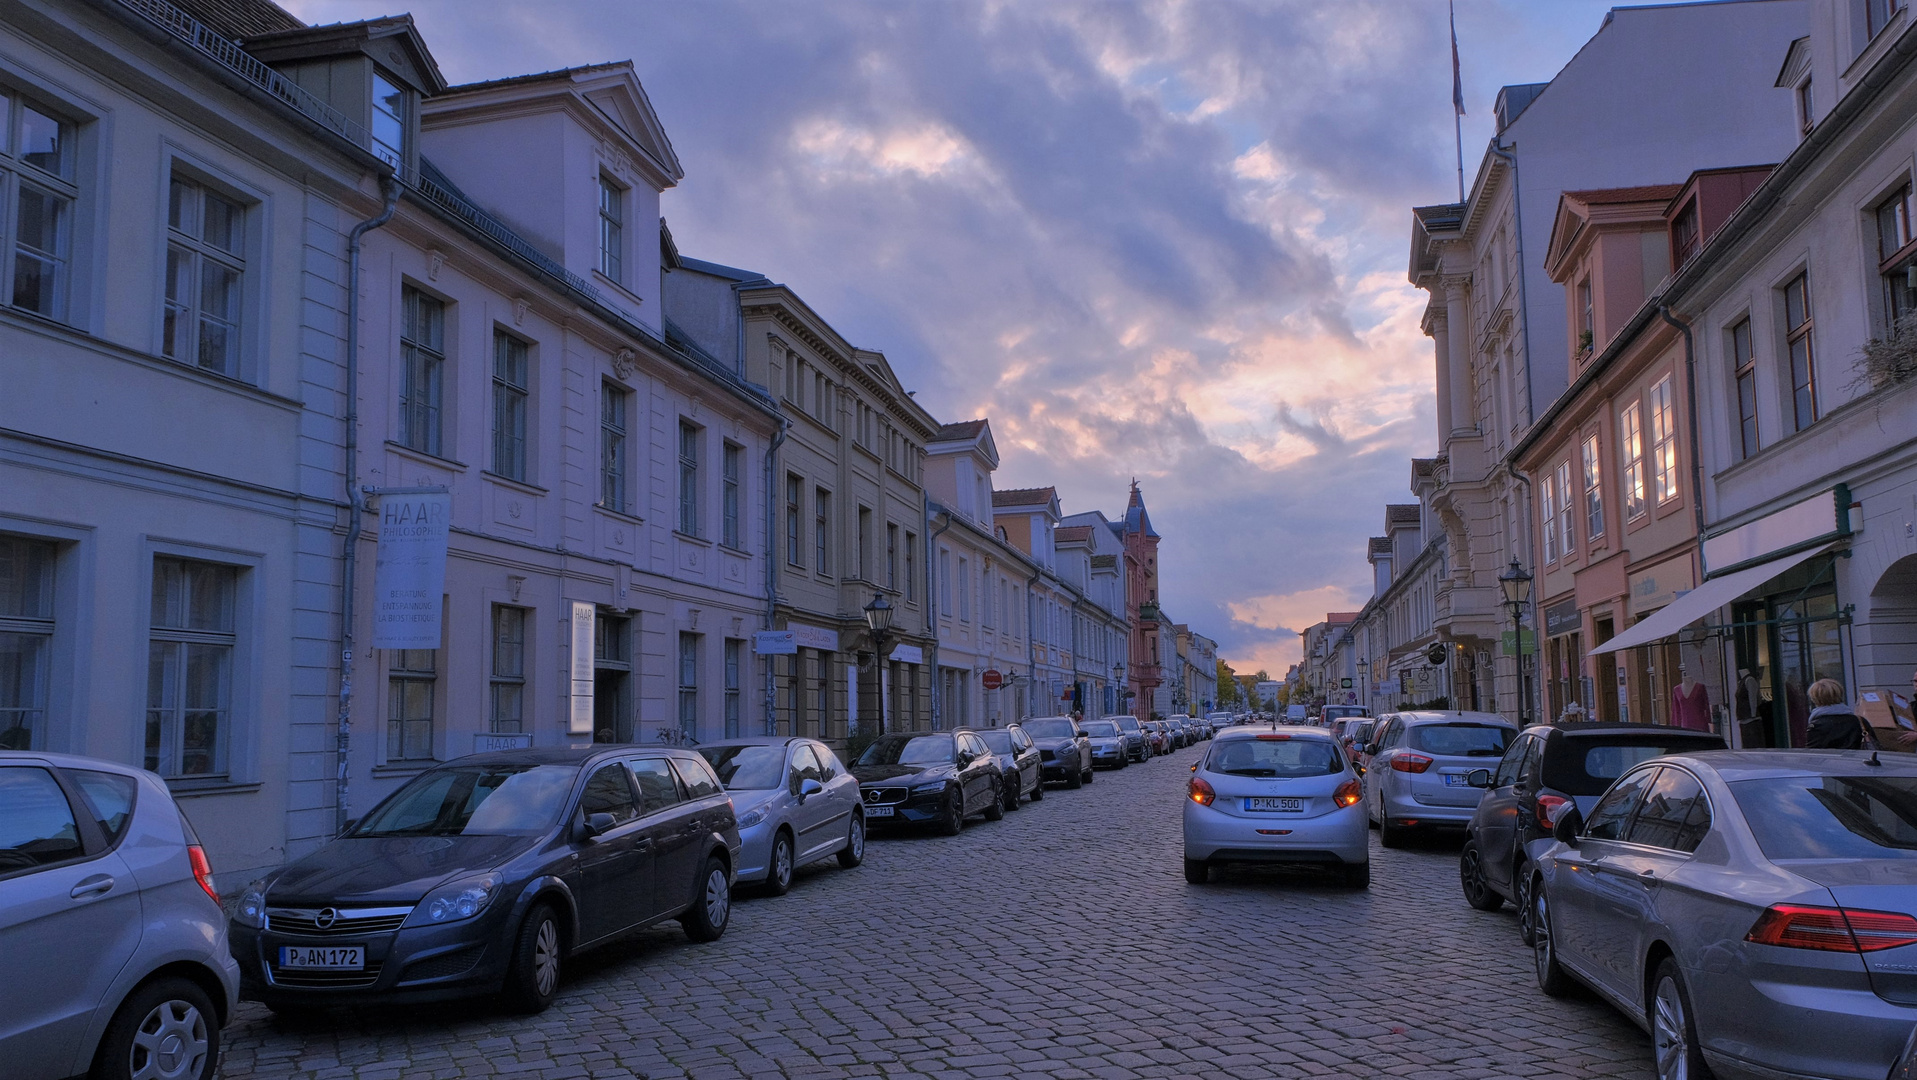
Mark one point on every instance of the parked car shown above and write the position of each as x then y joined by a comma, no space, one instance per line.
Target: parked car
1159,735
1018,763
1415,778
934,778
483,874
1138,741
115,947
1108,744
1351,734
1546,769
1334,713
1181,738
1065,751
1906,1067
1295,714
796,804
1755,911
1252,781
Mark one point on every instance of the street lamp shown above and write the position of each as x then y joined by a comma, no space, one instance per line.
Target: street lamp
1516,584
878,616
1364,680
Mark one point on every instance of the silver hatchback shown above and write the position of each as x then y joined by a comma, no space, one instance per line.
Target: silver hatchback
1419,761
114,943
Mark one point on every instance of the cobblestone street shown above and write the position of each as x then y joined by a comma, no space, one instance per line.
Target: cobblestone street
1061,942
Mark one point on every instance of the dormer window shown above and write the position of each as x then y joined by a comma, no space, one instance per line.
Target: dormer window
390,108
612,229
1587,321
1806,114
1685,236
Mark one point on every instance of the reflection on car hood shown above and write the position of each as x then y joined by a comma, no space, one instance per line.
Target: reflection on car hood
386,870
1053,743
872,774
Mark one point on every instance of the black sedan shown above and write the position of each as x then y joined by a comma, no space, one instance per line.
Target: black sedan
934,778
483,874
1065,751
1018,763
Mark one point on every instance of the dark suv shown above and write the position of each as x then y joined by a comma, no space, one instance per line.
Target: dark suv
1547,769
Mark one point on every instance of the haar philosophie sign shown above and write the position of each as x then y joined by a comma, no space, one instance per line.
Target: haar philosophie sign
410,576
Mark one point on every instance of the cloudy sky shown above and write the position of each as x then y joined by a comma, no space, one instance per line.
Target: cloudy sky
1163,240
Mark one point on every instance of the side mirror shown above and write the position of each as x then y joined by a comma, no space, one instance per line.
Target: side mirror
595,824
809,788
1194,766
1369,748
1478,778
966,757
348,827
1570,823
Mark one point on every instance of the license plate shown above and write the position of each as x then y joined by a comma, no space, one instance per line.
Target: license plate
324,957
1274,804
878,811
1454,780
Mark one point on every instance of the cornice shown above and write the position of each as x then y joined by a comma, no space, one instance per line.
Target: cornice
837,351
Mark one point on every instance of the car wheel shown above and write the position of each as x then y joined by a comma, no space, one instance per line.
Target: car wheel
1527,919
1038,789
166,1028
952,822
532,979
995,810
1124,760
778,876
1673,1031
1011,793
1391,836
712,905
1552,978
1197,871
853,853
1477,891
1074,779
1090,775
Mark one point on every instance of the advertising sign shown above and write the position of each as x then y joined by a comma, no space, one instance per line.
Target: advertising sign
410,575
775,643
908,654
579,719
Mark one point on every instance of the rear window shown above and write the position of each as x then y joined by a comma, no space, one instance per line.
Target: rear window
1281,757
109,798
1460,740
1831,817
1099,729
1587,767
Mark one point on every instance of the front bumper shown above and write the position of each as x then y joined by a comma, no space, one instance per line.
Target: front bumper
1110,757
1339,837
914,810
755,851
414,964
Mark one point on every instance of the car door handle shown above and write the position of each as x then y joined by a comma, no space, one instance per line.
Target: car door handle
1648,877
644,843
97,885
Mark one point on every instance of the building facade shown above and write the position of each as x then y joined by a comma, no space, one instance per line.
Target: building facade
982,585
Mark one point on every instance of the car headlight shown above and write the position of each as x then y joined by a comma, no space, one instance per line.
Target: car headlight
752,817
927,789
453,902
251,910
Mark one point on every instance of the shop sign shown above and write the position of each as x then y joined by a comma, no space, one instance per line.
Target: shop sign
775,643
579,717
908,654
409,576
1563,618
1652,589
1510,642
1826,515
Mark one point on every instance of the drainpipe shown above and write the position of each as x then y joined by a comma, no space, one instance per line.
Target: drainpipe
1524,303
1031,624
1690,400
389,187
932,604
771,560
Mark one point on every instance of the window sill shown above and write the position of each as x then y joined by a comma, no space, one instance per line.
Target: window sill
191,789
401,769
734,549
507,481
620,514
1876,47
691,539
618,287
426,458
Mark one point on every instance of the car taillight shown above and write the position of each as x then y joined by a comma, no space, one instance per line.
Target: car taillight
1201,792
1410,763
1548,807
202,870
1348,794
1829,929
1273,738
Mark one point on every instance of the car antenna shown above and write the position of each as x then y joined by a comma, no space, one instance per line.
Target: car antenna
1873,758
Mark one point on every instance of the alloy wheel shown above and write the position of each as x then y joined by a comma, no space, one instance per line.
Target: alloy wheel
1670,1039
546,958
171,1042
718,898
781,864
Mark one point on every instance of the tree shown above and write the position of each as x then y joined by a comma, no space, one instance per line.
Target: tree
1229,692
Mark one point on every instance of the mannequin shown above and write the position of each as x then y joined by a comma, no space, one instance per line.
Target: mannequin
1690,702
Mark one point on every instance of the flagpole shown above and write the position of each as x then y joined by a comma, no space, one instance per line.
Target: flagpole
1457,95
1457,122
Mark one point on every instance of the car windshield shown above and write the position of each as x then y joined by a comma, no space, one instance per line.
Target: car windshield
1101,729
1831,817
1127,723
747,768
474,800
1461,740
910,750
1049,729
1279,757
998,741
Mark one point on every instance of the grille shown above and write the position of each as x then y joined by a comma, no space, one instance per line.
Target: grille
329,980
441,967
344,923
1047,755
881,795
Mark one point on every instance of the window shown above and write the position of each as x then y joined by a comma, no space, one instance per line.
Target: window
1878,13
610,792
1567,514
1631,448
37,826
985,598
732,465
911,567
1587,322
822,530
1806,111
612,227
688,479
1548,516
867,572
964,590
1664,440
36,204
689,684
1611,814
656,783
509,670
945,581
1744,376
26,638
1797,335
819,385
1675,814
612,446
510,381
412,683
1897,260
1686,238
190,667
422,346
1593,489
735,653
206,237
389,121
892,557
794,509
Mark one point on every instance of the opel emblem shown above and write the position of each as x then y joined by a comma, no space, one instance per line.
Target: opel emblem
324,920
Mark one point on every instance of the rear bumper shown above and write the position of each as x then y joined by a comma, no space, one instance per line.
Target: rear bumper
1403,808
1339,837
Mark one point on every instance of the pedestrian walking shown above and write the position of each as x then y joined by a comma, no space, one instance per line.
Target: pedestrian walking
1833,726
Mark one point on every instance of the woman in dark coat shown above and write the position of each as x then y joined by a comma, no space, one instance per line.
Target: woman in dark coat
1832,725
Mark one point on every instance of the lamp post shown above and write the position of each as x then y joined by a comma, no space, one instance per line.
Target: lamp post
1516,584
878,617
1118,684
1364,681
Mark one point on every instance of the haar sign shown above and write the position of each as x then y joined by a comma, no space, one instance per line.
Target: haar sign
410,576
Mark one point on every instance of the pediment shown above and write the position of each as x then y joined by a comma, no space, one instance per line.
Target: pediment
618,95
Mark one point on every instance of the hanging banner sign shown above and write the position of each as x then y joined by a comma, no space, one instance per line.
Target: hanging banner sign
410,575
579,718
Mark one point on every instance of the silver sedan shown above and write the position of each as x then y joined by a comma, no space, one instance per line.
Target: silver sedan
1756,911
795,802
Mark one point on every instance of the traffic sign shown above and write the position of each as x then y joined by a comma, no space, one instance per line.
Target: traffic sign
992,679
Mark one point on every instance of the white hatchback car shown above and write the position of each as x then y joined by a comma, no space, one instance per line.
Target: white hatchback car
1276,795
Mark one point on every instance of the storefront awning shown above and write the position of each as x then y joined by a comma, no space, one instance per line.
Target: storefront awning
1703,600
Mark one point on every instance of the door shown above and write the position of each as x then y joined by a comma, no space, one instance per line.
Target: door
1025,755
69,921
1587,899
841,787
812,819
1499,812
1378,765
616,866
974,760
1671,820
674,833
